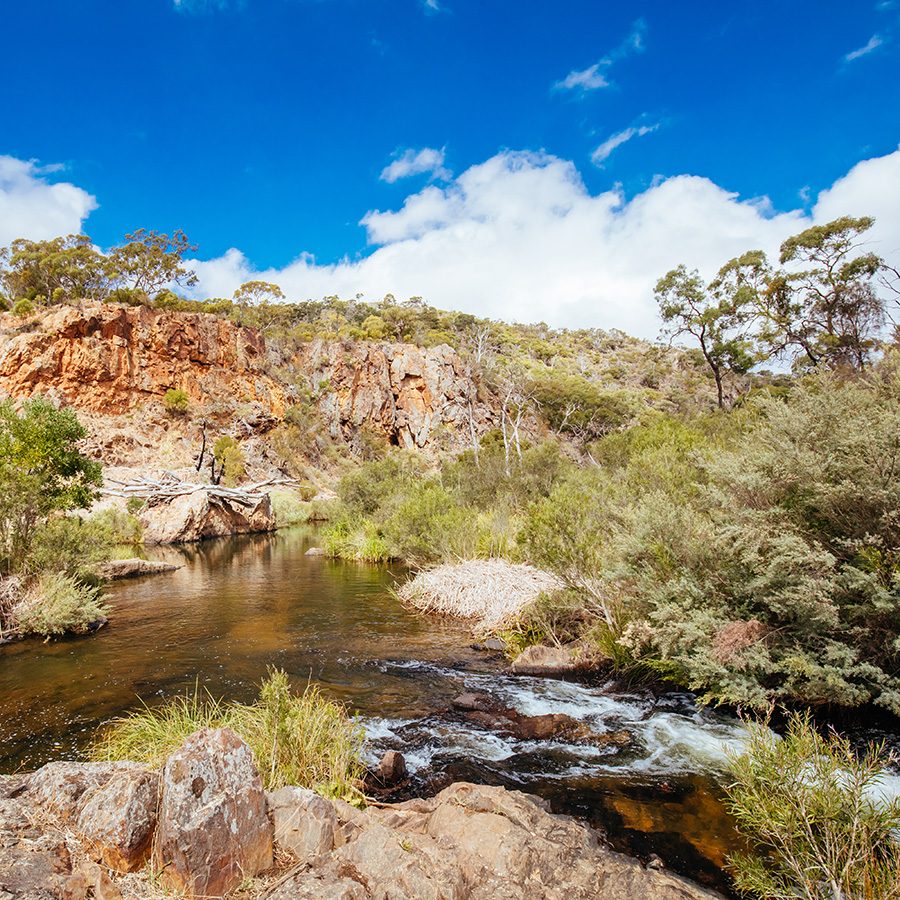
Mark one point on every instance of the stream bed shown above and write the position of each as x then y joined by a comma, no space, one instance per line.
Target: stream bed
239,605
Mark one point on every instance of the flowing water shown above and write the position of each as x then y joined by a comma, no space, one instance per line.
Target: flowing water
239,605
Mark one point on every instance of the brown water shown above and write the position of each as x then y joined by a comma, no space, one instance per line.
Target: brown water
239,605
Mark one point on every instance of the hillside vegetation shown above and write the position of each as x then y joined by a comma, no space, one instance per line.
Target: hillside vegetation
729,529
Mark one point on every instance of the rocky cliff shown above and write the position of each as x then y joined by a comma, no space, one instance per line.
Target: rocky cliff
110,358
400,390
116,363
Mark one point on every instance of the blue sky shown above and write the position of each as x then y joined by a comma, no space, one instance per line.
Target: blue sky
267,125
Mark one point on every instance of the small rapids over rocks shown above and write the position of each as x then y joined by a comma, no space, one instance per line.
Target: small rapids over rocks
669,735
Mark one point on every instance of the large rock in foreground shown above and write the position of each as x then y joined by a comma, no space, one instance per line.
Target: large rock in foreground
199,515
473,842
214,828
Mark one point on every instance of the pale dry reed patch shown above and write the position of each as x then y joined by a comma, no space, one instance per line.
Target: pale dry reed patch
490,592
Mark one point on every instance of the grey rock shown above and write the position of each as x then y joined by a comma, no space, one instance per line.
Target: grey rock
305,823
214,829
117,819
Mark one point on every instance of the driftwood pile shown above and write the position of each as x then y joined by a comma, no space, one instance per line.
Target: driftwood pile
169,485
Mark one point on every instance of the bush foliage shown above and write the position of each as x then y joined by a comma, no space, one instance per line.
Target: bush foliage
811,809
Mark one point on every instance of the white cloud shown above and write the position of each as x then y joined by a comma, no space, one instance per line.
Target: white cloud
588,79
416,162
593,77
517,237
616,140
432,6
520,237
33,207
873,43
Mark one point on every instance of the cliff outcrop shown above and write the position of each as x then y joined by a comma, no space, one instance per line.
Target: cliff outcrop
116,363
402,391
109,358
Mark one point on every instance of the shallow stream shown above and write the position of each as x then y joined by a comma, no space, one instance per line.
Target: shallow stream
238,605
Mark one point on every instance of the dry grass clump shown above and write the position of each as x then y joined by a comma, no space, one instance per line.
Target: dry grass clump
489,591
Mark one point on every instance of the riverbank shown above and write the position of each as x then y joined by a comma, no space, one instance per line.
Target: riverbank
207,828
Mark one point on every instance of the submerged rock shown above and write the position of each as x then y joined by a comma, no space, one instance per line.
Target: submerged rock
541,660
485,712
199,515
390,774
133,568
315,551
214,829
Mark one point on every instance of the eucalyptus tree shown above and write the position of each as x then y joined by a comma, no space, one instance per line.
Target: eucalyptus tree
149,261
717,315
823,306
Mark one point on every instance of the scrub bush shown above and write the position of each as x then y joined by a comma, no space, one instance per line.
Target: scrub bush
56,604
810,808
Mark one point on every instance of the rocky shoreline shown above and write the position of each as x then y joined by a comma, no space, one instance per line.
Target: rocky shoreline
204,826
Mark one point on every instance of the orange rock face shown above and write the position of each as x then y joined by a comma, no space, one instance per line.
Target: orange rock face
109,358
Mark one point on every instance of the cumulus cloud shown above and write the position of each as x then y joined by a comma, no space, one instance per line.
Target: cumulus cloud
34,207
416,162
602,153
873,43
520,237
593,77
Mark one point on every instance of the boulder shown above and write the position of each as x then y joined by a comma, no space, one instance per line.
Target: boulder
36,869
473,842
134,568
59,787
315,551
214,829
392,767
117,819
541,660
199,515
305,823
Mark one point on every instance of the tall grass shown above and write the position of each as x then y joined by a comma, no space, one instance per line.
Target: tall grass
300,739
359,540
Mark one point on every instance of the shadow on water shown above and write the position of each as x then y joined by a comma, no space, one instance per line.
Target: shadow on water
239,605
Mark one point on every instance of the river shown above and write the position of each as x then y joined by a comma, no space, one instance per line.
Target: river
239,605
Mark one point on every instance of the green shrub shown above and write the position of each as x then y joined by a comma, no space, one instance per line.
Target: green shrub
42,472
574,405
58,604
428,525
23,308
298,739
77,546
376,484
808,805
355,538
230,458
176,401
